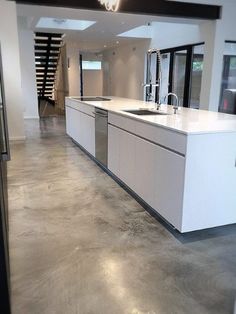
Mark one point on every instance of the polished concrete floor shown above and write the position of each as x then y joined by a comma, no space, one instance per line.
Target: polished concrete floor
79,244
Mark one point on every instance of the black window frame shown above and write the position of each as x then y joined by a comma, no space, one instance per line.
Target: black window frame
188,69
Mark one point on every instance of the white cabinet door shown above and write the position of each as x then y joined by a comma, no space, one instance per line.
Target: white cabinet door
121,155
81,127
69,117
127,159
169,185
154,173
114,150
73,123
88,133
145,170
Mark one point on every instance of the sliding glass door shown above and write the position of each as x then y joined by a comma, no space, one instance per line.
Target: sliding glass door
182,73
196,76
178,74
228,84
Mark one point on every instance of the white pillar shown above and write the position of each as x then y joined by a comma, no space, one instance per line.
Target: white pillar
28,72
73,53
213,65
11,69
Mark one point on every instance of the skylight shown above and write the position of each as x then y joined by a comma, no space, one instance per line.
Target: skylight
144,31
79,25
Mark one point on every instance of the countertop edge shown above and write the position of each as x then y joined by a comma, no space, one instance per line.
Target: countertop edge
139,118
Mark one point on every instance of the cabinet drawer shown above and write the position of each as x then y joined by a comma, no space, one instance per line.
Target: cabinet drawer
124,123
174,141
87,109
170,139
80,106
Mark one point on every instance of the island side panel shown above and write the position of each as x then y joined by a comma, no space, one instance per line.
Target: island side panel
210,181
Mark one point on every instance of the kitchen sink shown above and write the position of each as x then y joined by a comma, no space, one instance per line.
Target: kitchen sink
145,112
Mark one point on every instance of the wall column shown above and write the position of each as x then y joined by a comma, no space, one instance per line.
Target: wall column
11,69
28,72
213,65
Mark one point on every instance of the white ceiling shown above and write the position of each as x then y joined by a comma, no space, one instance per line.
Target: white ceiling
103,33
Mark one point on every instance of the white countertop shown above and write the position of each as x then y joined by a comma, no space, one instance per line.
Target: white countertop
187,121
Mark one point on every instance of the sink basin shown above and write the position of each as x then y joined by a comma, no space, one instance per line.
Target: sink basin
145,112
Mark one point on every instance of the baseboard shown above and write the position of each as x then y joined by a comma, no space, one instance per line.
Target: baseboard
31,117
17,138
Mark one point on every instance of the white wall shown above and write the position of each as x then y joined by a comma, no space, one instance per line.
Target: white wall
28,73
11,69
73,52
92,79
93,82
167,35
124,68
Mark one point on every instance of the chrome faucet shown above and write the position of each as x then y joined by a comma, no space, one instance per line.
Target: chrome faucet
157,82
176,105
150,85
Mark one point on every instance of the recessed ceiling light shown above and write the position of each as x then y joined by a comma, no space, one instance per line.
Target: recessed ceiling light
80,25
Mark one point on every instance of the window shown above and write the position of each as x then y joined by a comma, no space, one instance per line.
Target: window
228,83
182,73
92,65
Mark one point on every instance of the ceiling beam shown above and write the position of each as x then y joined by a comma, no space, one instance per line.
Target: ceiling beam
152,7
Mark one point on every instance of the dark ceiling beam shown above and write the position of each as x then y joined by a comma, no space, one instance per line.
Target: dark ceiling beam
152,7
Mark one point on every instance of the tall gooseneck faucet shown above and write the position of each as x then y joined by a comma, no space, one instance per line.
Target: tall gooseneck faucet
149,83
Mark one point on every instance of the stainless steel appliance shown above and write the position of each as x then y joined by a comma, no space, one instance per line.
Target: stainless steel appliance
101,135
4,243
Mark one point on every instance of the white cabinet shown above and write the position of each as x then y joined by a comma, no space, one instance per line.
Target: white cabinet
121,155
145,170
154,173
114,150
169,185
127,158
73,123
81,128
87,135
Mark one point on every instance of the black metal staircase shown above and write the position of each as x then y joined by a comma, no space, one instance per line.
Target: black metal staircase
47,50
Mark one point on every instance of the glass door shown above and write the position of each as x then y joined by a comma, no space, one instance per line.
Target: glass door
179,71
196,76
228,83
165,75
182,74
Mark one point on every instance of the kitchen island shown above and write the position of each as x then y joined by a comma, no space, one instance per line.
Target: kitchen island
183,166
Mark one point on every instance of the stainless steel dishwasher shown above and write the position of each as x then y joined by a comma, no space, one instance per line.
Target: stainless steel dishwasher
101,135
